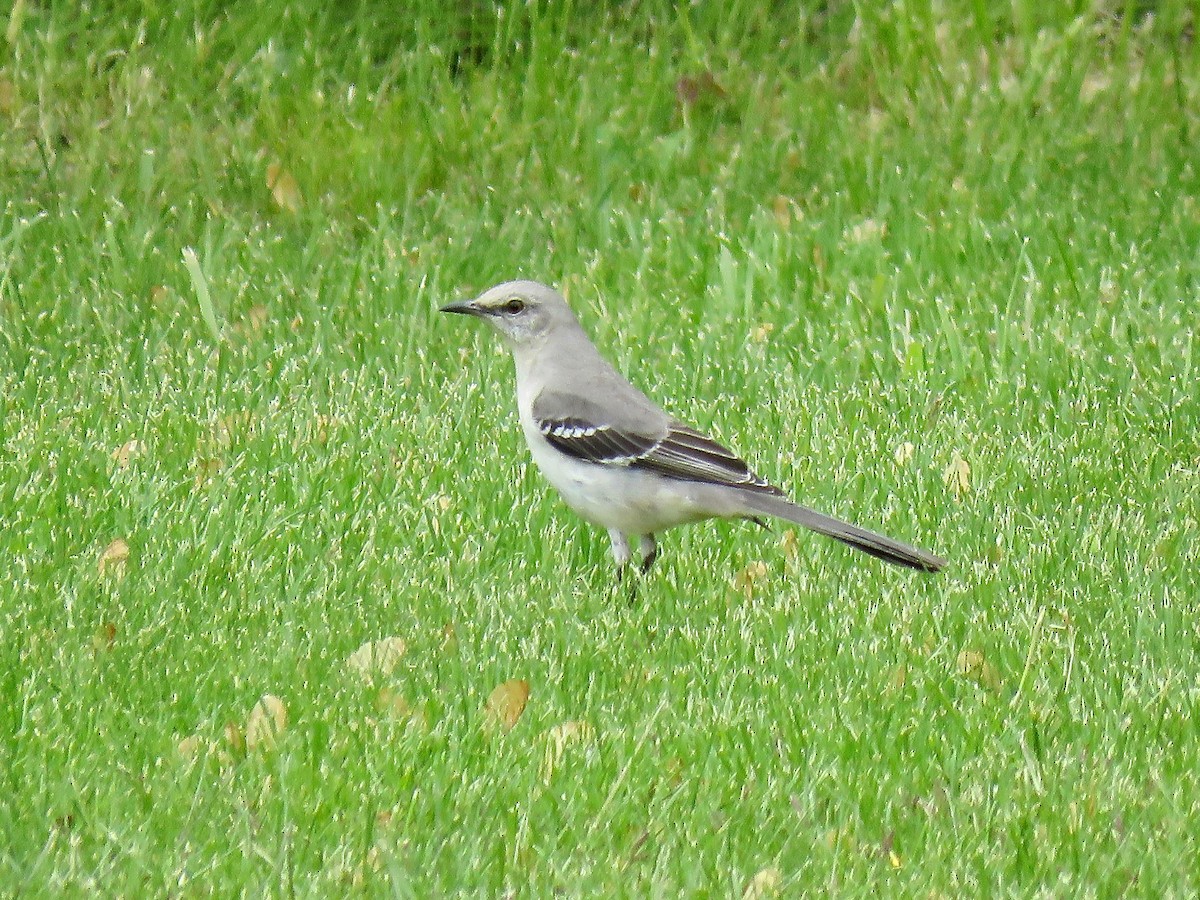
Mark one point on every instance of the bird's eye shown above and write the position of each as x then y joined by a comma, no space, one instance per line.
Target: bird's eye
514,306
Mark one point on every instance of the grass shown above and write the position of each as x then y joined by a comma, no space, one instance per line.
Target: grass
822,232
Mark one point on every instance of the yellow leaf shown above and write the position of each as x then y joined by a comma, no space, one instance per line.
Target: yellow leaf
865,231
974,665
506,703
283,187
255,322
766,883
558,739
760,333
113,559
377,657
746,579
266,723
782,207
234,737
789,543
105,637
190,746
904,452
126,452
234,425
319,427
395,705
958,475
206,468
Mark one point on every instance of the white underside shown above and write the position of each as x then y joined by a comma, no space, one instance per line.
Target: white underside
629,500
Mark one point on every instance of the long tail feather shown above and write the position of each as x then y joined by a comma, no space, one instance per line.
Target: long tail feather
877,545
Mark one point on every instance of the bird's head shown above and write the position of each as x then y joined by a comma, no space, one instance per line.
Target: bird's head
523,312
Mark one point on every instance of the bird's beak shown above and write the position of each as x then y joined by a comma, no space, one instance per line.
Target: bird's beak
463,307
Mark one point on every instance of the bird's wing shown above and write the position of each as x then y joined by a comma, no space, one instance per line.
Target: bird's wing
640,440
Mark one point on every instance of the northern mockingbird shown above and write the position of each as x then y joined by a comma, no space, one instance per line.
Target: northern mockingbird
617,459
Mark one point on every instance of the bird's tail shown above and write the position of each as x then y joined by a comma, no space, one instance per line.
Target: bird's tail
877,545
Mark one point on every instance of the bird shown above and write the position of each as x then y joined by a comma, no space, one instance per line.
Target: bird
620,461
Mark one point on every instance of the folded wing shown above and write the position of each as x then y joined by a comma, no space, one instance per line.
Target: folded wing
682,452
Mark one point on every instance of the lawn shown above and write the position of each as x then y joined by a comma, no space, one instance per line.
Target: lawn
285,608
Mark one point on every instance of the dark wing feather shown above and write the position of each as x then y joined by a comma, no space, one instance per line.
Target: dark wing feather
688,454
595,443
682,453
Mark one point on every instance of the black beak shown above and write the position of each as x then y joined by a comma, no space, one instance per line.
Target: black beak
464,307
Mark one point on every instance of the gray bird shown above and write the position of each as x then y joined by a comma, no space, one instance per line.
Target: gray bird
617,459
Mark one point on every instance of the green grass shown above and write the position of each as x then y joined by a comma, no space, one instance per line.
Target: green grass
971,228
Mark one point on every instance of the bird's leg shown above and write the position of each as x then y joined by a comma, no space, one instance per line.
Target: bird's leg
648,548
620,549
623,555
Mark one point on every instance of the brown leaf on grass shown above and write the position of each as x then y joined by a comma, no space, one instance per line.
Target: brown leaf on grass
124,454
266,722
234,737
105,637
394,705
189,747
558,739
974,665
785,211
375,658
318,428
957,476
232,426
284,188
747,580
255,322
760,333
767,882
113,559
8,96
449,637
995,553
818,258
864,231
206,468
691,90
506,703
789,543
